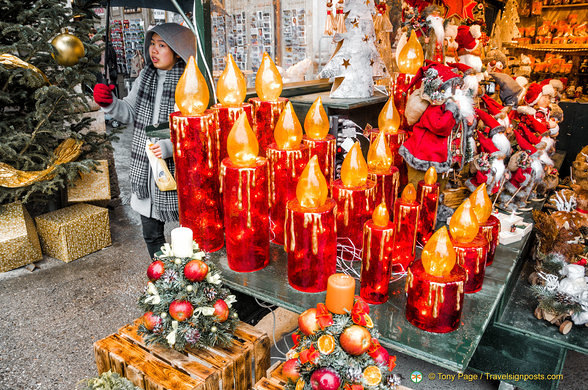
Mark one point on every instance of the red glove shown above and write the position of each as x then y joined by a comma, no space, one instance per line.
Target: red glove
103,94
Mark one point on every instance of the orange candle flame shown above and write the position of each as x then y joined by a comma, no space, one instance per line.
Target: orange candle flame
379,158
242,145
464,225
316,122
192,91
431,176
312,190
408,194
380,216
481,203
288,131
354,171
232,86
438,255
411,56
389,118
268,82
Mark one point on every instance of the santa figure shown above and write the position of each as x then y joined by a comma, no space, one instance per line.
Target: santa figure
517,189
539,97
510,91
470,81
443,118
469,49
450,43
487,167
495,130
434,44
540,161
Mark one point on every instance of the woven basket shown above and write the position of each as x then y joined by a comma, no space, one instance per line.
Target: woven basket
453,197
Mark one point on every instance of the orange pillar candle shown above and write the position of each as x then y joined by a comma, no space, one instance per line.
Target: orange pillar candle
268,105
318,139
193,132
435,287
245,200
470,245
378,246
381,171
355,195
489,224
231,90
340,293
428,197
406,219
310,233
287,159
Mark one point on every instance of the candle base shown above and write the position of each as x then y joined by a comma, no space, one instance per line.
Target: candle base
196,147
472,257
428,197
378,245
266,116
434,304
406,219
311,245
491,230
246,213
386,188
285,167
226,119
354,207
326,150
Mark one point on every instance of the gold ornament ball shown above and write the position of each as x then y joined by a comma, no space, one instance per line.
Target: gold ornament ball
69,49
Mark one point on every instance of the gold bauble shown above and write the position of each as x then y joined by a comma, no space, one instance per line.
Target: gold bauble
69,49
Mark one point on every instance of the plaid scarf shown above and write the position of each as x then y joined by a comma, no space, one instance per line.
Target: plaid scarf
165,203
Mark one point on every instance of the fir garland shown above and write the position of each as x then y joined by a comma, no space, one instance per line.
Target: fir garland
207,326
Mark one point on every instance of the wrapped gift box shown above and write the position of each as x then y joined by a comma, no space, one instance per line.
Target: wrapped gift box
75,231
19,243
91,186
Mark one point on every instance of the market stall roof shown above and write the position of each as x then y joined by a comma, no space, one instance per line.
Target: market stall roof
167,5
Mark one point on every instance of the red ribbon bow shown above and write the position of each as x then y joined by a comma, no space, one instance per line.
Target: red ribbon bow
374,346
296,339
323,316
309,355
353,387
360,309
391,363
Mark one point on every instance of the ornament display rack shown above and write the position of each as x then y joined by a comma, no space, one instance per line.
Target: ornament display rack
134,39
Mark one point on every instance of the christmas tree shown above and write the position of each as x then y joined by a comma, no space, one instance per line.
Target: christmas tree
45,77
505,27
356,62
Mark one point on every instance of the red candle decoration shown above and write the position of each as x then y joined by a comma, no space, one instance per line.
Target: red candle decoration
287,158
231,90
381,171
489,224
406,218
310,237
318,139
470,246
428,197
246,210
378,245
355,195
268,106
435,287
196,146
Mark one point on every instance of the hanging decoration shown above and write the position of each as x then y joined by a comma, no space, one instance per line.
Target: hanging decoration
330,20
69,49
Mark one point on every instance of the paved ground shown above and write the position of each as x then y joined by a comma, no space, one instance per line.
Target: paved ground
49,318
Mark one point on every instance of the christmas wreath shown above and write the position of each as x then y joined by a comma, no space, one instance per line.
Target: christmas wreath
185,302
338,351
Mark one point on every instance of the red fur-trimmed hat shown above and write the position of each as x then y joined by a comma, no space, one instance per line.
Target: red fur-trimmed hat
486,145
493,124
492,106
524,144
534,93
466,37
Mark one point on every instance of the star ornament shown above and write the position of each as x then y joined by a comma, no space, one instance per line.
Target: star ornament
366,38
459,8
346,63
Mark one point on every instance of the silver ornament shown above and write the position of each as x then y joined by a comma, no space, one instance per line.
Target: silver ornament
189,288
178,261
163,315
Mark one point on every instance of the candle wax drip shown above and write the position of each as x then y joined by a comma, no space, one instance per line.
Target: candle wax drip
437,288
317,228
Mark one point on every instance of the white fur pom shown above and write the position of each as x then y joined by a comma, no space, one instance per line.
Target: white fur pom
502,143
465,103
556,84
548,90
471,82
476,31
526,110
522,81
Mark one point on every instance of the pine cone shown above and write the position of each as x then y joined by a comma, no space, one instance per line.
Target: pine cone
393,380
209,293
192,336
354,374
170,276
565,299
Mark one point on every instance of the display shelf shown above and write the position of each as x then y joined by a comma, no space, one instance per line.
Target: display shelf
565,6
550,47
518,317
451,350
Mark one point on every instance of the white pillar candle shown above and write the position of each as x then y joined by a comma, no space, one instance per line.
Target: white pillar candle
181,241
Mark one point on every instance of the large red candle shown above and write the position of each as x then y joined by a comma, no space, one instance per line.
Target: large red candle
490,229
378,245
355,196
226,119
395,141
472,257
318,139
381,171
246,211
265,117
489,224
435,287
310,236
195,140
428,198
406,220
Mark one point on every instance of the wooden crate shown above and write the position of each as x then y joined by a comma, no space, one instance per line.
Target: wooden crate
274,381
155,367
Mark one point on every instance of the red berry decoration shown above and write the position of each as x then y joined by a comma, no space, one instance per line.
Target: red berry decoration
181,310
196,270
155,270
151,320
325,379
221,310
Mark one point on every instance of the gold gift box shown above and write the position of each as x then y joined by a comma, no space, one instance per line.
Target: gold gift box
19,243
75,231
91,186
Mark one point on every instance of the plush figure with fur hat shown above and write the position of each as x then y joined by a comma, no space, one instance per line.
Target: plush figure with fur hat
518,187
470,81
495,61
495,130
441,112
542,107
510,91
469,49
487,167
433,47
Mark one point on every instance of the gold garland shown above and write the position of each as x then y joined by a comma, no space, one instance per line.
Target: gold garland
11,62
11,177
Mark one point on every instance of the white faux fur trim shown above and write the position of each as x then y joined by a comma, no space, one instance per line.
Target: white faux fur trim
527,110
548,90
476,31
556,84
